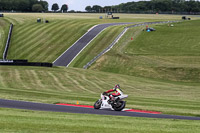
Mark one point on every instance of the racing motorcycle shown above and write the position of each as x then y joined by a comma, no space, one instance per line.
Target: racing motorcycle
106,103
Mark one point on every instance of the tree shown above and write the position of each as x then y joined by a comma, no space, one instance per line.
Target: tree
64,8
32,2
97,8
88,8
55,7
107,8
37,8
23,5
44,4
17,5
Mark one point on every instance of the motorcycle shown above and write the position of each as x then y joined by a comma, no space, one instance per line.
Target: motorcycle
105,103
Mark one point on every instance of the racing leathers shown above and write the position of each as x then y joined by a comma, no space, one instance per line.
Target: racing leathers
117,90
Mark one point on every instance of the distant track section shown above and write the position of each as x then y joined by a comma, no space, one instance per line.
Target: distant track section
71,109
70,54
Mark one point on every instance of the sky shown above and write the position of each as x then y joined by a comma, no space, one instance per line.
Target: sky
79,5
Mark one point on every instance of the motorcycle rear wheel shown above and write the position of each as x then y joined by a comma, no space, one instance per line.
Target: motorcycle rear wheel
121,107
97,104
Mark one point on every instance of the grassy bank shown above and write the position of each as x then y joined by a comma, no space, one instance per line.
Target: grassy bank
45,42
170,53
4,28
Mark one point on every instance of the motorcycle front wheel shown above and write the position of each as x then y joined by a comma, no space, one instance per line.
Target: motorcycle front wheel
97,104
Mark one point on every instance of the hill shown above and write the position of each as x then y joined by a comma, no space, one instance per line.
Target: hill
45,42
169,53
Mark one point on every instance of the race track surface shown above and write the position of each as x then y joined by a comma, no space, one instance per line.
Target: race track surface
70,109
67,57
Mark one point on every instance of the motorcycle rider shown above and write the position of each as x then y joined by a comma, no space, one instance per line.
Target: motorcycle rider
117,93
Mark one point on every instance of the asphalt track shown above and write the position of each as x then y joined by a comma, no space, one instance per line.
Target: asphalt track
70,109
68,56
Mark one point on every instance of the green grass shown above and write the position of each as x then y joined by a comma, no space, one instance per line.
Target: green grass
4,28
51,85
170,53
18,121
21,18
180,40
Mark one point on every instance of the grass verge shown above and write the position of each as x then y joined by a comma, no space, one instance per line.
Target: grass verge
13,120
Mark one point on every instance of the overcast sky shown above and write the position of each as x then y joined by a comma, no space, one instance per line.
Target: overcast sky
79,5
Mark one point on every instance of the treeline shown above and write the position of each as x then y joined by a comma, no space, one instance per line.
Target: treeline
24,5
153,6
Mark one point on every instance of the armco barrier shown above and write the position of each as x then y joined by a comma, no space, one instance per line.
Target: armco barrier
24,63
119,36
27,64
8,42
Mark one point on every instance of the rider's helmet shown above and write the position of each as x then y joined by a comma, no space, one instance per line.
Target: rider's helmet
116,87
